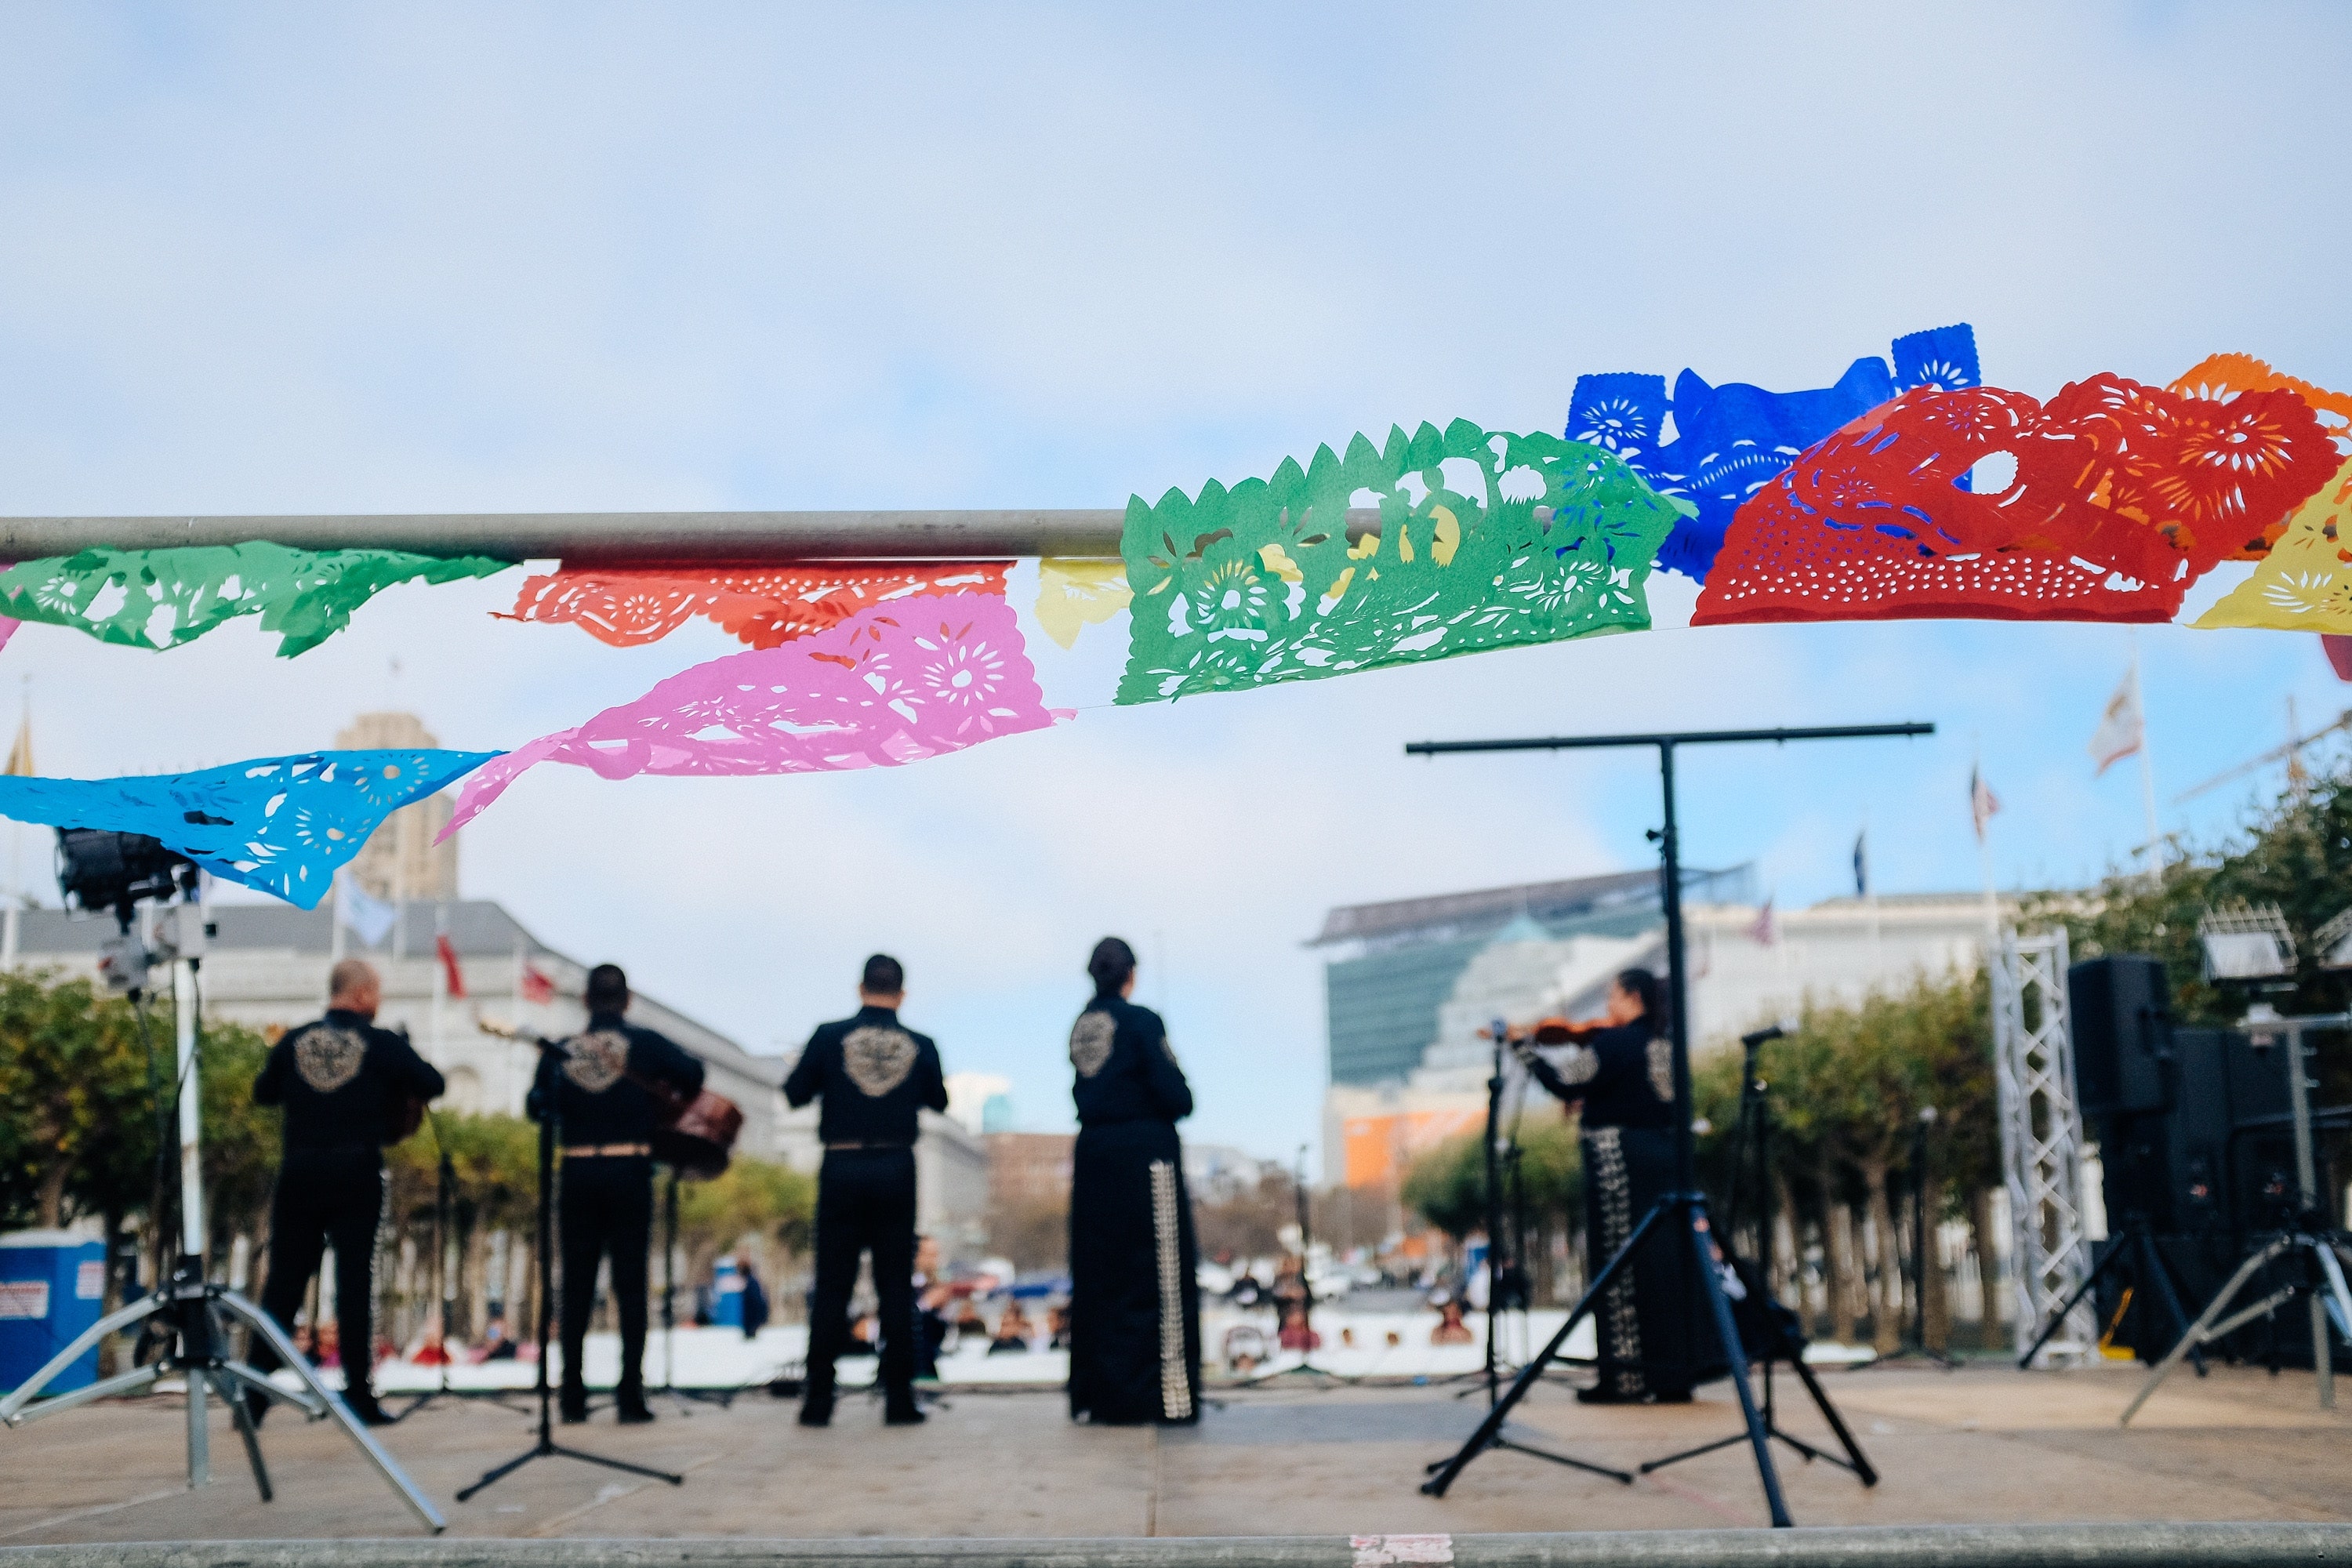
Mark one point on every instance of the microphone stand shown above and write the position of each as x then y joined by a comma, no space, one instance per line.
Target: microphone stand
445,1185
550,1113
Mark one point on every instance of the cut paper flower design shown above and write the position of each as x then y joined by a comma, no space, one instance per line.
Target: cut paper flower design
2225,375
2122,495
765,606
894,683
1730,441
2303,583
159,598
282,824
1484,540
1073,592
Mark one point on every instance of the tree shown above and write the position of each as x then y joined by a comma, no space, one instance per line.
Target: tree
2296,854
67,1065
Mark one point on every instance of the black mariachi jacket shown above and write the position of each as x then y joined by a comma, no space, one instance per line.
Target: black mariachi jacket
1125,1070
874,1074
1625,1076
338,1079
595,1099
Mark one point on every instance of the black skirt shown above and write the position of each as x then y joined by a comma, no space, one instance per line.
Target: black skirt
1654,1336
1135,1306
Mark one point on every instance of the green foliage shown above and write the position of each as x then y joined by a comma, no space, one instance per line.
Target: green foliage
2296,855
1446,1185
66,1061
754,1197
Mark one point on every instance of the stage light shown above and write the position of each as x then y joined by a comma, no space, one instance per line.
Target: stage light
2246,943
98,868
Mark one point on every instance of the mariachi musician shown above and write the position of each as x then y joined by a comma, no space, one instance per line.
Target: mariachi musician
606,1116
1619,1068
345,1085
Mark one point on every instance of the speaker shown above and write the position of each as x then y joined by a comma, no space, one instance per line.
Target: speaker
2119,1015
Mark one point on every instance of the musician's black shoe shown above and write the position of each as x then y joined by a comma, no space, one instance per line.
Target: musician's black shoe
1672,1396
906,1415
816,1412
629,1410
572,1405
364,1406
1601,1394
257,1405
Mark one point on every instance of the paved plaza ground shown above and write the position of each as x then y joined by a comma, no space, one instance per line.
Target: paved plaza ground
1983,1444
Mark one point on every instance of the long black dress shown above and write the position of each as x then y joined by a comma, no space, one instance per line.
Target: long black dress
1135,1305
1652,1340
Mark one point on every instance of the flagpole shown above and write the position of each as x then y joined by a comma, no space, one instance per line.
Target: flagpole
1982,821
2147,768
335,929
440,972
20,764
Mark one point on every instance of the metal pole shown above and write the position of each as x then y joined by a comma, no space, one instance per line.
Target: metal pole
190,1270
2306,1191
617,537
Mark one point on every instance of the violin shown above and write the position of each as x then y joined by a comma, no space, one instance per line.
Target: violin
1551,1031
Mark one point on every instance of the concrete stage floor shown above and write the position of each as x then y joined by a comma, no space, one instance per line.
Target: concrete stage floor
1984,1444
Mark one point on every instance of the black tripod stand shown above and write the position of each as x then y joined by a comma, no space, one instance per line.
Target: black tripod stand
1683,1210
2137,1255
551,1053
722,1397
1753,1140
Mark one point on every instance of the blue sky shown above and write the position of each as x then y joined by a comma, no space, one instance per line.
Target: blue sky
261,258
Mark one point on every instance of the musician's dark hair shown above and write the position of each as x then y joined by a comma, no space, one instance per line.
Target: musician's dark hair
884,976
608,988
1111,963
1650,992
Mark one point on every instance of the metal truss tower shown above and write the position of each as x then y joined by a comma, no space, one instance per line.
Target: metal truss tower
2040,1139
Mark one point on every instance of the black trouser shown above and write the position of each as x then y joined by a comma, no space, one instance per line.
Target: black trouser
608,1207
865,1201
326,1195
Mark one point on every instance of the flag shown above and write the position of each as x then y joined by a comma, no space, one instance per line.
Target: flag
364,914
2120,732
20,755
536,987
2338,650
1766,931
457,977
1982,803
1862,865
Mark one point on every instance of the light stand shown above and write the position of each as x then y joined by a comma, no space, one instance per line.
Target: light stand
193,1312
2307,1238
1918,1345
1754,1137
550,1112
1686,1208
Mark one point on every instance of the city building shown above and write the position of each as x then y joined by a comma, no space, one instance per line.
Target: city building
400,860
1415,984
